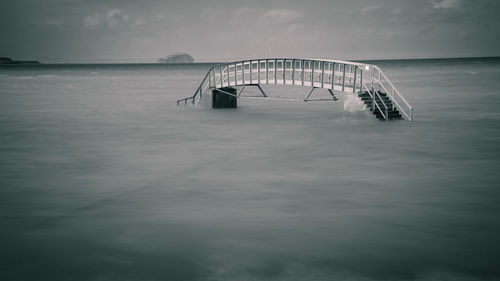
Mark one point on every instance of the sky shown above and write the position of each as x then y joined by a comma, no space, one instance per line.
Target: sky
224,30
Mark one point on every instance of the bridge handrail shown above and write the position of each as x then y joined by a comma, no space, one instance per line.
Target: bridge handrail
395,91
392,85
274,60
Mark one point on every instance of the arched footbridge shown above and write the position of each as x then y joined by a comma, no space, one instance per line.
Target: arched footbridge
367,81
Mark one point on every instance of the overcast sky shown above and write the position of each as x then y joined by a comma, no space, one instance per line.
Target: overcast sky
210,30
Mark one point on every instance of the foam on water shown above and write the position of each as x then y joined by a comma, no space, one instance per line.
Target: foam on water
103,177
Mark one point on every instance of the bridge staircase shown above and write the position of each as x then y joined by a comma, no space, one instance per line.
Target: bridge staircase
381,106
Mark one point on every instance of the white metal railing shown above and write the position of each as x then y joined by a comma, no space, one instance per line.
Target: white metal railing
335,75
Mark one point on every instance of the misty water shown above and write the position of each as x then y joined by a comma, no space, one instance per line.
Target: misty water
103,177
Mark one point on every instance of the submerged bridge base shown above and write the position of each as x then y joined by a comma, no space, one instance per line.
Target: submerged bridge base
224,97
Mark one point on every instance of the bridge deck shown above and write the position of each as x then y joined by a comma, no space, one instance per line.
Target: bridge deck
240,82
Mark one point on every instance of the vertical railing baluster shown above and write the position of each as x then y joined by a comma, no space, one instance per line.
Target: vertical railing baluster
355,78
379,81
343,79
329,74
227,71
242,73
293,72
333,76
250,68
303,71
267,71
275,72
284,72
236,73
373,99
221,77
322,74
361,79
312,72
373,76
215,78
258,70
393,97
252,75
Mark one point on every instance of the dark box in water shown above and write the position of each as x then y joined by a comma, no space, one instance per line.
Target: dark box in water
220,98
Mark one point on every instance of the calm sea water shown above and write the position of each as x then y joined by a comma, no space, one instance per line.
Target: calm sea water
103,177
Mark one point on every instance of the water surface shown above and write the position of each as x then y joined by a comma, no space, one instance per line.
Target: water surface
103,177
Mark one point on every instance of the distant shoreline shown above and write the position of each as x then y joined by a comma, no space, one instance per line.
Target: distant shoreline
9,61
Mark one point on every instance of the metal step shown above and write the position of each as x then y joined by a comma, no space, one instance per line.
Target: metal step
388,104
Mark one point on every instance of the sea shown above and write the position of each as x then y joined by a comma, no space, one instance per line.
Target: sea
104,177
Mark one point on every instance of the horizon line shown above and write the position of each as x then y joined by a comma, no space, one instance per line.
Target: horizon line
124,61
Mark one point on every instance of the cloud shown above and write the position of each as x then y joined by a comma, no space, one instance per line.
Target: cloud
54,22
282,16
446,4
295,28
211,13
113,18
93,20
368,9
118,17
397,11
243,13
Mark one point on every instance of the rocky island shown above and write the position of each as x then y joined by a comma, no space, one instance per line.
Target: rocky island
177,58
4,60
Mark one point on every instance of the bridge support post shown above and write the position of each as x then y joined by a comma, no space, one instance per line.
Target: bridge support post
254,85
224,98
334,98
